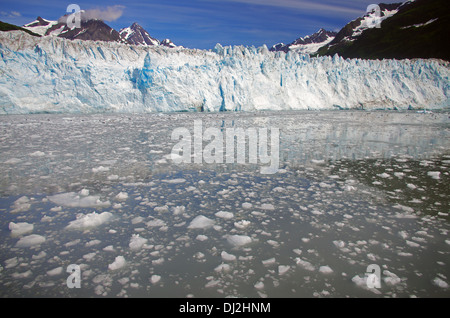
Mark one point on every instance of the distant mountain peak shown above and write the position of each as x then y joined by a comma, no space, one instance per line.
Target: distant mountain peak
137,35
308,44
412,29
38,22
95,30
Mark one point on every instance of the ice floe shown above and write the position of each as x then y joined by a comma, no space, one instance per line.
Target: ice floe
90,220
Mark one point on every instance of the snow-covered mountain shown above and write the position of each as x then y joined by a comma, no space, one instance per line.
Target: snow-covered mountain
95,30
92,29
137,35
308,44
57,75
41,26
412,29
355,28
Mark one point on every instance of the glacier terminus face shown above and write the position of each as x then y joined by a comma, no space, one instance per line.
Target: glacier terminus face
41,75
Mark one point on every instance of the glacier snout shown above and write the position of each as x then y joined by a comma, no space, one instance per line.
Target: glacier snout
57,75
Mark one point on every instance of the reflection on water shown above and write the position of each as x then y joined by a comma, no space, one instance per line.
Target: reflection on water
353,189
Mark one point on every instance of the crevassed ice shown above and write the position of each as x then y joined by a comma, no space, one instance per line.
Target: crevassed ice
83,76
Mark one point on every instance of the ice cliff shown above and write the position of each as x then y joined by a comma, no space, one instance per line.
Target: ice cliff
58,75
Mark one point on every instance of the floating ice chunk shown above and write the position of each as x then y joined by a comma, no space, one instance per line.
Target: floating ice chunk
20,228
155,279
269,261
201,222
399,174
21,205
12,262
383,175
349,188
18,275
404,254
304,264
201,237
121,196
391,278
41,254
224,215
100,169
137,220
223,268
267,206
84,192
90,220
89,256
155,223
412,244
259,285
178,209
212,283
174,181
119,262
161,209
73,200
12,161
109,248
283,269
440,283
242,224
318,162
227,257
158,261
434,174
325,269
406,209
297,251
339,243
37,154
411,186
55,272
360,281
136,242
325,185
239,240
30,240
113,177
247,205
92,243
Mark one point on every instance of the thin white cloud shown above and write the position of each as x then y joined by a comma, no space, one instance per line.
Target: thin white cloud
111,13
304,5
11,14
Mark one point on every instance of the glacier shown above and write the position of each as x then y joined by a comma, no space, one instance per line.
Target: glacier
53,75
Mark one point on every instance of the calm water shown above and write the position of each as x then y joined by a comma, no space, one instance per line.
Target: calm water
103,193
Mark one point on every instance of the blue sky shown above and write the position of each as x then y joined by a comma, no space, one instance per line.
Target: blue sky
203,23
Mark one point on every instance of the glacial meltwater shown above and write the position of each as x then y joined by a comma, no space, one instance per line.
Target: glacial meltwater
100,206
